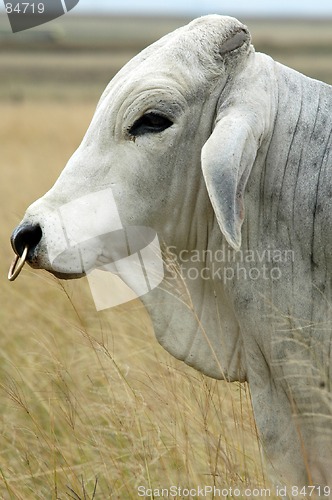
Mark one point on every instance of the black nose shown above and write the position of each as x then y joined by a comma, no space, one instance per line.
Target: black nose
26,235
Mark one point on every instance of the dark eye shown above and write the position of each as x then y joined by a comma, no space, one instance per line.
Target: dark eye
150,123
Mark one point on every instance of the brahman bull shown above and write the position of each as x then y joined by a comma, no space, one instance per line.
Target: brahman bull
225,155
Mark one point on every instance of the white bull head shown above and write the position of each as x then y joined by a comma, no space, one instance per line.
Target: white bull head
218,155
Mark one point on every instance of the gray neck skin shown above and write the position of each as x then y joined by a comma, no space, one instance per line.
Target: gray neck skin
286,323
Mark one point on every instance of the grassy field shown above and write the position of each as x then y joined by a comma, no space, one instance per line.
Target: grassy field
90,405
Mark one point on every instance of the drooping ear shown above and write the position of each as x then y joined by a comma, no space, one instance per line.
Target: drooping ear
227,160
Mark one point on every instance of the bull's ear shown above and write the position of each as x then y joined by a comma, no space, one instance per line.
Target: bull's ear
235,41
227,160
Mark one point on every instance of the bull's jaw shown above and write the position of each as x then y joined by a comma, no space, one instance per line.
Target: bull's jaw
66,276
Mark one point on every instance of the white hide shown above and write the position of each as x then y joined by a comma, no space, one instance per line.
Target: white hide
240,164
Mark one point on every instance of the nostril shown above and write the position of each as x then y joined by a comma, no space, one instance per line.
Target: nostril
26,235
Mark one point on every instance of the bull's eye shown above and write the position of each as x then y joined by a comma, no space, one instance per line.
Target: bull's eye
150,123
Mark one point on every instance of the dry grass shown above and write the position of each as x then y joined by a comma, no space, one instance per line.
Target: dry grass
91,406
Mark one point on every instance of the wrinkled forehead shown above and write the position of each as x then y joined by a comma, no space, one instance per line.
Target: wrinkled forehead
161,71
145,89
176,67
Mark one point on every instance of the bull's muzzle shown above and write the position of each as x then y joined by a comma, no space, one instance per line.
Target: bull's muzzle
24,240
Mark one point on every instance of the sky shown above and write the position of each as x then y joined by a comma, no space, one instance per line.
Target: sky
300,8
